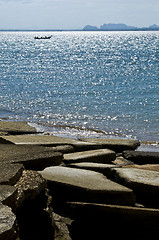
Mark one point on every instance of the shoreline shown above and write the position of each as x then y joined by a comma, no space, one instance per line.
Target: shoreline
47,128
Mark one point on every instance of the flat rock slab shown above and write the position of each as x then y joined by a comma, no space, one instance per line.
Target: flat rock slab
10,173
97,167
145,183
135,215
140,157
84,185
99,156
63,149
115,144
8,195
94,221
16,127
151,167
47,140
36,157
7,223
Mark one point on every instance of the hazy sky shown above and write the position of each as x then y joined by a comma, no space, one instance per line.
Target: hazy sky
75,14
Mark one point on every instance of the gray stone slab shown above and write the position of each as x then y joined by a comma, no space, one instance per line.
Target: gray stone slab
84,185
141,157
7,223
99,156
115,144
97,167
145,183
47,140
10,173
8,195
16,127
36,157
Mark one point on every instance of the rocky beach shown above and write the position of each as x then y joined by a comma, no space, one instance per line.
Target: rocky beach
61,188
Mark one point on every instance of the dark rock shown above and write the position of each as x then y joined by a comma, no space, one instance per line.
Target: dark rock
35,158
29,186
61,227
10,173
8,195
7,223
140,157
100,221
34,221
4,141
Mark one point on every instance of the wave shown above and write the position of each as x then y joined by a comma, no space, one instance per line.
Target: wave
76,132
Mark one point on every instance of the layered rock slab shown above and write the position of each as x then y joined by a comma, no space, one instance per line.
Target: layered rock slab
97,167
151,167
140,157
16,127
97,221
10,173
69,184
149,216
47,140
99,156
145,183
36,157
115,144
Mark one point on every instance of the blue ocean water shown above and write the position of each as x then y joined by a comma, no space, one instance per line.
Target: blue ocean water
82,84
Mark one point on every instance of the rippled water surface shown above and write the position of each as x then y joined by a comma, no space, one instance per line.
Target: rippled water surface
82,83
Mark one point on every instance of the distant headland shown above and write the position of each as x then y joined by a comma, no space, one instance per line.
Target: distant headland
120,27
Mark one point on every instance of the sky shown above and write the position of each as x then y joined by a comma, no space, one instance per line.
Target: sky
75,14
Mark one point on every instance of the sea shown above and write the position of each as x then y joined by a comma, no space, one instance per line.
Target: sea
82,84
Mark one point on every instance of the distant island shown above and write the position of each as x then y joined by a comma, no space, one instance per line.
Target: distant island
120,27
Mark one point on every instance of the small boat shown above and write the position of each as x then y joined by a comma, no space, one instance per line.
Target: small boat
45,37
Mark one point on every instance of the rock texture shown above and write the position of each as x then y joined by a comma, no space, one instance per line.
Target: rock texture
7,223
8,195
140,157
46,140
115,144
97,167
29,186
151,167
16,127
36,157
97,221
10,173
99,156
83,185
144,183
